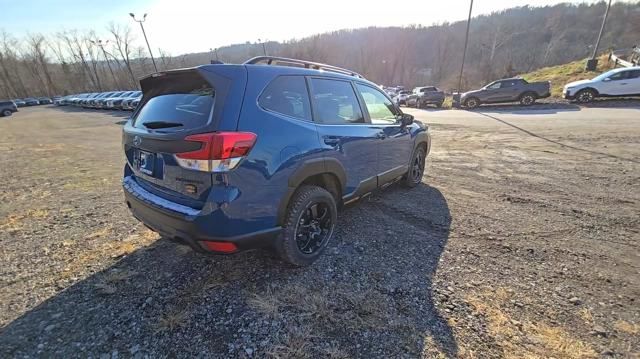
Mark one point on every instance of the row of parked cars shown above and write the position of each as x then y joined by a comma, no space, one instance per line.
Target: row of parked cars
111,100
621,82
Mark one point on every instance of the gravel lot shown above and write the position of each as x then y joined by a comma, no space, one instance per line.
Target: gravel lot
522,242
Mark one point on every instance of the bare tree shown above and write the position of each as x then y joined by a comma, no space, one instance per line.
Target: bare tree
123,39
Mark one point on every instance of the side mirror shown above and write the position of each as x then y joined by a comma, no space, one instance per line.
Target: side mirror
606,80
406,119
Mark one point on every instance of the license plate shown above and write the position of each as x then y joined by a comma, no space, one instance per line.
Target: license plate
146,162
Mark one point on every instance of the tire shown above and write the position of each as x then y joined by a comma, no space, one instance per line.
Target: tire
416,168
471,103
296,245
527,99
6,113
585,96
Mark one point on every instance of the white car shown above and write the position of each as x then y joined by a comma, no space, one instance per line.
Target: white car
401,98
615,83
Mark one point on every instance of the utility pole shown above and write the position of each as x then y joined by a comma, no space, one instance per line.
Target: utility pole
100,44
144,17
264,48
464,52
592,63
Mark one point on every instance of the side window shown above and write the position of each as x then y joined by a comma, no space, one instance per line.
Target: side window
287,95
634,74
494,86
618,76
380,109
335,102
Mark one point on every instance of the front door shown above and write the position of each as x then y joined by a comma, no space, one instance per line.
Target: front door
347,138
396,145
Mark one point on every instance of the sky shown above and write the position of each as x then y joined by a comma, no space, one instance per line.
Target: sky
184,26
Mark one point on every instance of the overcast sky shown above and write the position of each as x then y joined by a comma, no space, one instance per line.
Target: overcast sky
181,26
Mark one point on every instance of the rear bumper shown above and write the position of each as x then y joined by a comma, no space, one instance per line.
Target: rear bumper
183,223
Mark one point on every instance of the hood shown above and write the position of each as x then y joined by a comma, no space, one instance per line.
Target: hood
464,94
577,83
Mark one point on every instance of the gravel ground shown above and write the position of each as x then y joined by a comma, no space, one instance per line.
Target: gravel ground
521,242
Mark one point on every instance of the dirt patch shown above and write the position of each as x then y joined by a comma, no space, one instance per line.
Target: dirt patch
521,243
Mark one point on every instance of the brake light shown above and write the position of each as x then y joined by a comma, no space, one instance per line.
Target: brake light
220,151
222,247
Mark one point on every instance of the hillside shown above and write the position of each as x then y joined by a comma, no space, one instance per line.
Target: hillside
501,44
562,74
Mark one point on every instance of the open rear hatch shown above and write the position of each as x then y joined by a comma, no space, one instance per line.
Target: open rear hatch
175,105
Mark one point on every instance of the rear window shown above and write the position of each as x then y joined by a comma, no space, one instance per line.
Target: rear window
181,100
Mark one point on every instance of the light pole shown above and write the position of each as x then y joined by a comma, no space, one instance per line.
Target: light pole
264,48
100,44
216,53
592,63
144,17
464,53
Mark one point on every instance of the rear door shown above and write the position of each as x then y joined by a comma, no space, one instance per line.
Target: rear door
634,82
175,105
345,135
395,146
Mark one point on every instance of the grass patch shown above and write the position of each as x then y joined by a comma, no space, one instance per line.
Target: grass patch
172,320
562,74
526,338
626,327
15,222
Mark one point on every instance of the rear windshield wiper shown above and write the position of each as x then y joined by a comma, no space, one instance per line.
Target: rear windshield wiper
161,124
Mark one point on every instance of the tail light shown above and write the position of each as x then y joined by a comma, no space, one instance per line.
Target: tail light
221,247
220,151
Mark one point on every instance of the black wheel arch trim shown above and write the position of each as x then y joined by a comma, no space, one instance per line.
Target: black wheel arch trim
310,168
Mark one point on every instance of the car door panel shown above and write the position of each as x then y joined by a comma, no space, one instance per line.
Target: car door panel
395,145
344,133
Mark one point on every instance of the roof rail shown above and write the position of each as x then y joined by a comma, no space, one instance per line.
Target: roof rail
284,61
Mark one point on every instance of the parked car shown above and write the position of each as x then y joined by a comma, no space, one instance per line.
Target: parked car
401,97
507,90
615,83
230,157
29,101
126,102
44,101
92,101
133,104
7,108
19,102
115,102
423,96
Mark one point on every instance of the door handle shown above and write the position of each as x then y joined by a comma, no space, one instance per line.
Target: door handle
332,141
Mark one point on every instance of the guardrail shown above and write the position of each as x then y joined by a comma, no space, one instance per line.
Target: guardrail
625,57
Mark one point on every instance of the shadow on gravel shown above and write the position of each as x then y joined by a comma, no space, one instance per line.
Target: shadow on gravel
558,142
536,109
370,295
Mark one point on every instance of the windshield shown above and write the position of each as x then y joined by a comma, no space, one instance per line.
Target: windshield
604,75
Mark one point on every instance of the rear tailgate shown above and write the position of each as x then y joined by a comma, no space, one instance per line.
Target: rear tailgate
175,105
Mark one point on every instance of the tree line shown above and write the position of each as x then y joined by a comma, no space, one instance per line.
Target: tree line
501,44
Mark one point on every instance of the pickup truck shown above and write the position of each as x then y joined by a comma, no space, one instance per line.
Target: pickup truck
507,90
423,96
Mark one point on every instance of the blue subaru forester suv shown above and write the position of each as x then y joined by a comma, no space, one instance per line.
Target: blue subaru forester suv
231,157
